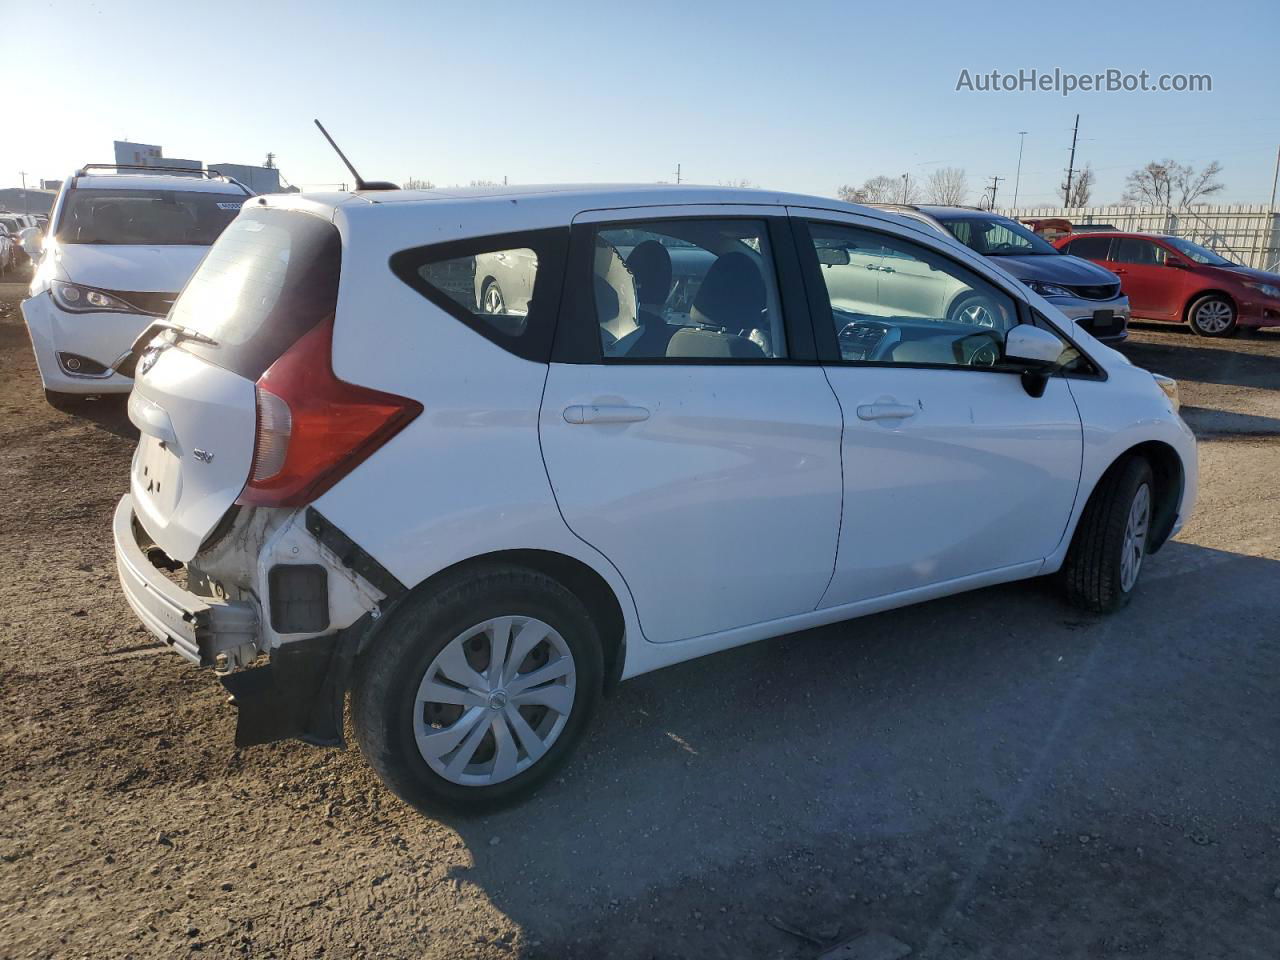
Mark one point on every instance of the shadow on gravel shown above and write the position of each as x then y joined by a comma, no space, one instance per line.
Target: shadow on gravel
1207,422
108,413
1232,363
991,774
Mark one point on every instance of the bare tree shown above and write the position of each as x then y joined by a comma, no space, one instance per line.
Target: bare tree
1191,186
413,183
882,189
484,183
1081,187
948,186
736,183
1161,183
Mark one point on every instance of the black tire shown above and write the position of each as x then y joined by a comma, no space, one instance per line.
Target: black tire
389,672
1091,572
1193,311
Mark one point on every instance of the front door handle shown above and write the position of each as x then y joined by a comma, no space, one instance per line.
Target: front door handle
604,413
885,411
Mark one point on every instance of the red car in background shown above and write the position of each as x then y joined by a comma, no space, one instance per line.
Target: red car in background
1169,278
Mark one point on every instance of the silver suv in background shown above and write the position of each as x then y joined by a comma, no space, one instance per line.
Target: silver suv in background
1087,293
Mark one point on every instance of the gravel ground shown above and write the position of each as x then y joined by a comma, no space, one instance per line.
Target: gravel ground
990,775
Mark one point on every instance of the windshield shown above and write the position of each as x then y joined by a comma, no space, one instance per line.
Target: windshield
1198,253
159,217
998,237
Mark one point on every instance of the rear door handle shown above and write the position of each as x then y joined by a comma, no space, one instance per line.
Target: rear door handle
604,413
885,411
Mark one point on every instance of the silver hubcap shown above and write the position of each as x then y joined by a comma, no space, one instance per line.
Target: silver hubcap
1214,316
494,700
978,315
493,299
1135,538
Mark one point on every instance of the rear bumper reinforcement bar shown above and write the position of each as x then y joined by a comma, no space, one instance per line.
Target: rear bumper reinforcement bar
198,628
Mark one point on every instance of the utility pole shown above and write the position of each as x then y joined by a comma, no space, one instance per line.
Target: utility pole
1275,179
1071,164
271,161
26,201
1017,181
677,174
995,183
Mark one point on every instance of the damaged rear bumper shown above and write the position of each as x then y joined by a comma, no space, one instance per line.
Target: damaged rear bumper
199,628
299,692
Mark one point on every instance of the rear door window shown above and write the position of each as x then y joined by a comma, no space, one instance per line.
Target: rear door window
504,287
687,290
1139,251
268,279
1090,248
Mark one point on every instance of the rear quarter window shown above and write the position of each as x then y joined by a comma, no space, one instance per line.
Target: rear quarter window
505,287
269,278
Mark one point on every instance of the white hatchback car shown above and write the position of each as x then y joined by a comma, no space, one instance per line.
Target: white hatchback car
691,437
119,249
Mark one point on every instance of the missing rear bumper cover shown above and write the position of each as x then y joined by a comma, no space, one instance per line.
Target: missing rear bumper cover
352,555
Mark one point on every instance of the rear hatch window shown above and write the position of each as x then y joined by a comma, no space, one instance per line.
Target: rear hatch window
269,278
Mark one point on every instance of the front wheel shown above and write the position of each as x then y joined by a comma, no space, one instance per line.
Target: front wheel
1110,543
1213,316
492,300
476,691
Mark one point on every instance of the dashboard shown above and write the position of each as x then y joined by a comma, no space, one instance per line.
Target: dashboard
913,340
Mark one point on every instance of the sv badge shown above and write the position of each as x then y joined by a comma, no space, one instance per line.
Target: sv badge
204,456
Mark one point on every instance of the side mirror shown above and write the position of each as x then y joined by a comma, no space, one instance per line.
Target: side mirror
1035,349
833,256
32,242
1179,264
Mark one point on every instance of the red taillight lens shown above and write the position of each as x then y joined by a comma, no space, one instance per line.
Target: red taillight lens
314,429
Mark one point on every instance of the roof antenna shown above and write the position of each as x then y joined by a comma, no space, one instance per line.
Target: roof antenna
361,183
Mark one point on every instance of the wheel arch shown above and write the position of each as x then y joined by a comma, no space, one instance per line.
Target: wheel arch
1201,294
576,576
1170,479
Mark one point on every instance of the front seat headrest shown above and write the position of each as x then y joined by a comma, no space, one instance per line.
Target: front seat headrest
650,264
732,295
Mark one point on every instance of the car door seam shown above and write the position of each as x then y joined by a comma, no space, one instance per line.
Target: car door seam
546,469
835,559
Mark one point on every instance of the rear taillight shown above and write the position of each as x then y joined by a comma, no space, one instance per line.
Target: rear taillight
313,429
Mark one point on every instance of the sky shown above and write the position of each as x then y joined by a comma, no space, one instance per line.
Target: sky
801,96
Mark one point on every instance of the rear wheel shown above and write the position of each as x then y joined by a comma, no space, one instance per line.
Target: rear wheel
478,689
1212,315
1106,555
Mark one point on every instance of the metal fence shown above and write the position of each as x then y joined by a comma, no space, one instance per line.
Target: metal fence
1246,233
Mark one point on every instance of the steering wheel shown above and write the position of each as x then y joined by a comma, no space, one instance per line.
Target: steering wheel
983,352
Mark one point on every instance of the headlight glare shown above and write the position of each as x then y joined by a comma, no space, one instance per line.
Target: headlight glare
1266,289
79,299
1048,289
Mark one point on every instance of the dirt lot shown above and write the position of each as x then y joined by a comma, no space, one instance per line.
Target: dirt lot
991,775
